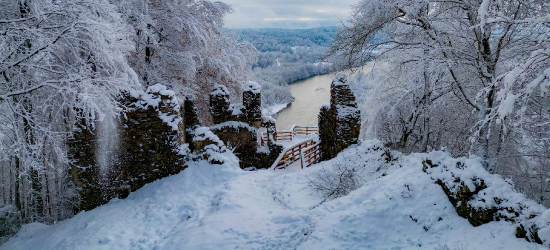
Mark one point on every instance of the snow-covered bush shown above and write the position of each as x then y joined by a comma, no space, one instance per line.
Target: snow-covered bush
209,147
10,222
336,181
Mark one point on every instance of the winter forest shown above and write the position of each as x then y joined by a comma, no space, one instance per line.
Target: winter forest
150,124
286,56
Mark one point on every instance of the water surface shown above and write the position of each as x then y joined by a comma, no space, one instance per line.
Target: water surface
309,95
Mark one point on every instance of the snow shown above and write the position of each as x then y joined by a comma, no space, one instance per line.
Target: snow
340,79
274,109
236,109
483,13
219,90
253,87
221,207
161,89
324,64
154,216
233,124
152,98
268,118
347,111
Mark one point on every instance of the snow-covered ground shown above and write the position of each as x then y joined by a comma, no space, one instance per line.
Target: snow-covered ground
222,207
273,110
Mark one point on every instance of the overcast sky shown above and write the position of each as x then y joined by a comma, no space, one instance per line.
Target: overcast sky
295,14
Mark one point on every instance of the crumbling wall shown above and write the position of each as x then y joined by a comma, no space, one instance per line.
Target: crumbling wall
340,120
150,140
219,104
85,172
237,126
252,102
190,121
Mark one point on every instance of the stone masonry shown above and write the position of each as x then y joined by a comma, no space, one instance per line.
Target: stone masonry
237,125
339,121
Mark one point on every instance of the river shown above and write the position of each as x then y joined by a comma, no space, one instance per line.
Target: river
309,95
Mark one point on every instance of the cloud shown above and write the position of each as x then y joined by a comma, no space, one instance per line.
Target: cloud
287,13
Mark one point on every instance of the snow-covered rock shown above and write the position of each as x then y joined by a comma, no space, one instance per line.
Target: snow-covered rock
482,197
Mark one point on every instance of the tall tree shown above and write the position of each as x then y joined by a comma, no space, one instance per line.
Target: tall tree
180,44
60,61
470,45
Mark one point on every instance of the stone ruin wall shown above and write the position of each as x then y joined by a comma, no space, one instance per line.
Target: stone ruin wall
237,125
339,121
152,135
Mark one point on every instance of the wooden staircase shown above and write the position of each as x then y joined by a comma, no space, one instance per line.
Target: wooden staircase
307,152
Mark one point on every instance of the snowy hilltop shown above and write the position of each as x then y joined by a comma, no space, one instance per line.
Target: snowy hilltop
383,200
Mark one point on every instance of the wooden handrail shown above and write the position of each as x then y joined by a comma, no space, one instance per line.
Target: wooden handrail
284,135
307,152
305,130
264,138
311,155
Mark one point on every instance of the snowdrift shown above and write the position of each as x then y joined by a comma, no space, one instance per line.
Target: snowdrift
399,203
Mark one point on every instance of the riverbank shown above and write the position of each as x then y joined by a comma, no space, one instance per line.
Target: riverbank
309,95
274,110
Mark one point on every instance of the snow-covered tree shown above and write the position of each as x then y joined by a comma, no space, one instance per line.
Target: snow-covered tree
61,62
465,70
470,43
181,45
66,66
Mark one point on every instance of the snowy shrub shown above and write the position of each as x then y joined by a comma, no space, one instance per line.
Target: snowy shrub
208,146
336,181
482,197
10,222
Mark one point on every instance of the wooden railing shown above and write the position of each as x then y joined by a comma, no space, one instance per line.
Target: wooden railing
285,135
311,155
288,135
305,130
263,136
307,152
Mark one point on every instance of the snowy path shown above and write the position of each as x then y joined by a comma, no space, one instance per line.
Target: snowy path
222,207
254,210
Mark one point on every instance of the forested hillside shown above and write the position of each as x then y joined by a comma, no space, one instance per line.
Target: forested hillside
69,67
286,56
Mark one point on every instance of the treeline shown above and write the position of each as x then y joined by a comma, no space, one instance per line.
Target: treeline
283,39
286,56
67,66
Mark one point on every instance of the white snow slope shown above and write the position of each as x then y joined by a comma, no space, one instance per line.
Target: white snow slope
222,207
